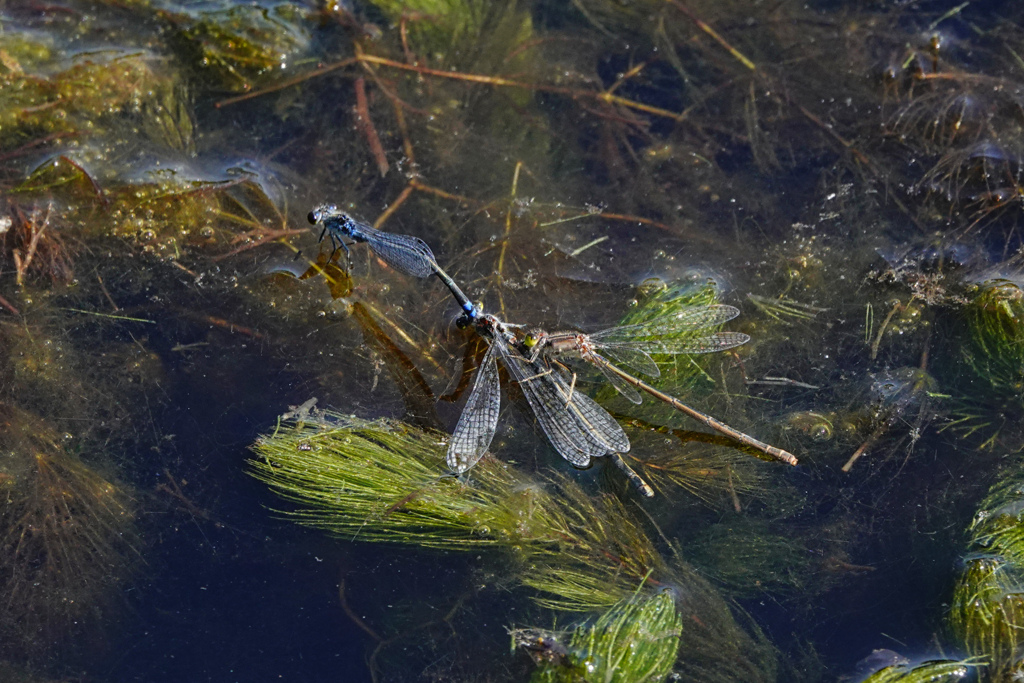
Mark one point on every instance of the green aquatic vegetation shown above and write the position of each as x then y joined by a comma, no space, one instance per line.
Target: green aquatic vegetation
67,538
383,481
987,613
437,25
993,351
937,671
747,556
714,646
604,555
635,640
93,96
681,374
475,35
166,212
987,610
387,482
709,474
238,47
21,50
995,317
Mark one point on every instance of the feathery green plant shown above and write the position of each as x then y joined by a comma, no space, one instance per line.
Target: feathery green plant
987,611
384,481
241,46
745,556
938,671
994,353
635,640
387,482
680,373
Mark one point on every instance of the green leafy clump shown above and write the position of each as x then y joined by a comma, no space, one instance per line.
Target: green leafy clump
659,305
475,35
996,320
993,353
987,611
938,671
93,96
387,482
67,536
746,557
636,640
603,556
237,47
384,481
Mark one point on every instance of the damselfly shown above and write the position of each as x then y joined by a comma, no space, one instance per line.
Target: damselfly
404,253
575,424
633,345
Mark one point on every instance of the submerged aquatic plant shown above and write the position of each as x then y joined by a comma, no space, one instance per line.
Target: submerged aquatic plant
747,557
635,640
93,97
67,539
384,481
241,46
681,374
387,482
994,355
937,671
987,610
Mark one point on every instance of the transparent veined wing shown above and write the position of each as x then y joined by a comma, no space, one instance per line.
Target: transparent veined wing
479,420
670,326
404,253
575,424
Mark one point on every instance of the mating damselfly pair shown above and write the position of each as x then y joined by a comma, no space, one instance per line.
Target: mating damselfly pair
576,425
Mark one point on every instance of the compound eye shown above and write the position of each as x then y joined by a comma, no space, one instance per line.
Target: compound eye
530,341
313,217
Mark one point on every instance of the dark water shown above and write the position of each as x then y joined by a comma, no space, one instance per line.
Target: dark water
853,166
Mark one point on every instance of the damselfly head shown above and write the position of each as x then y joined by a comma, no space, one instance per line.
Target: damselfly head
534,338
321,212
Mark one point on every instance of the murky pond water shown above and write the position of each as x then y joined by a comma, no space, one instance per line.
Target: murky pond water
178,507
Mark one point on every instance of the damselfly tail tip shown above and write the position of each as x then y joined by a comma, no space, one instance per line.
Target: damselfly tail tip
642,487
786,457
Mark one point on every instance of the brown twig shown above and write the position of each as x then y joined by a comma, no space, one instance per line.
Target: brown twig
714,34
366,127
356,619
393,206
287,83
6,304
265,236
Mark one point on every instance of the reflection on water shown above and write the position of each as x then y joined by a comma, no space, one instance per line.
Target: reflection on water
847,174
